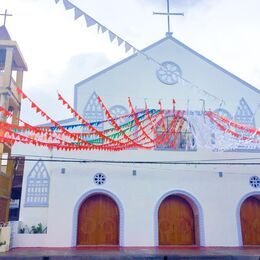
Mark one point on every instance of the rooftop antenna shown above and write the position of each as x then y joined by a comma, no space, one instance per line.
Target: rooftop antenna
168,13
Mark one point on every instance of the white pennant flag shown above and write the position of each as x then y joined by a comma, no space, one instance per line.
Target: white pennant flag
78,13
68,5
119,41
89,21
112,36
127,46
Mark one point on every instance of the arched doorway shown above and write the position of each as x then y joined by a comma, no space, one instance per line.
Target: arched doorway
98,221
176,222
250,220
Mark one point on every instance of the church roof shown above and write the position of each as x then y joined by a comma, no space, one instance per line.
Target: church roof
4,35
181,45
6,41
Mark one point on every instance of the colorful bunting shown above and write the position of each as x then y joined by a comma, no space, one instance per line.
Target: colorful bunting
145,129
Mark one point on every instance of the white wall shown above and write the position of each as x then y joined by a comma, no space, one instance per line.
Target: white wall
139,195
137,79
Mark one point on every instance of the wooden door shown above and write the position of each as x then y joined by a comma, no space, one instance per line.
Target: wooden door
176,222
250,221
98,221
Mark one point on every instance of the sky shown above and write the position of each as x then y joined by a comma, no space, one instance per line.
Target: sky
61,52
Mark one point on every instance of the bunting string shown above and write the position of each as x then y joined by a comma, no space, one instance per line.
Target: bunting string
113,37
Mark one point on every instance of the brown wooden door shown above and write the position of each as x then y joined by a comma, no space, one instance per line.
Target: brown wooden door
176,222
250,221
98,221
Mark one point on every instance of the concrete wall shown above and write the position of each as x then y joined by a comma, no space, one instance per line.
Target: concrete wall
138,197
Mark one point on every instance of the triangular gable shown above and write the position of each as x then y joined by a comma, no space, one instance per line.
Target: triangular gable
153,46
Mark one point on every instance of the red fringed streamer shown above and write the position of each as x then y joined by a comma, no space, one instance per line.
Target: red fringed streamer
65,132
181,122
113,122
138,124
88,125
248,129
163,123
29,127
226,130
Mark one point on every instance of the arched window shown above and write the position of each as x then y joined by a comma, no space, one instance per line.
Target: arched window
244,114
223,112
93,111
177,134
38,184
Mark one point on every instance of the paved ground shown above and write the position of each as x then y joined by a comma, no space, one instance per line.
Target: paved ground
164,253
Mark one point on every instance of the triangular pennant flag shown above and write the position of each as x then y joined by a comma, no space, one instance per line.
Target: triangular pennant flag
23,96
119,41
112,36
127,46
68,5
103,28
89,21
98,28
78,13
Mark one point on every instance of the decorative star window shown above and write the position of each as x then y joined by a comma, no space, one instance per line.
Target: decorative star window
254,181
99,178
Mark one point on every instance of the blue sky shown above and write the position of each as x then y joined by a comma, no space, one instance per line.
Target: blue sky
61,52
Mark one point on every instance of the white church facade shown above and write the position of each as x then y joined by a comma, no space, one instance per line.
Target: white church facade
190,195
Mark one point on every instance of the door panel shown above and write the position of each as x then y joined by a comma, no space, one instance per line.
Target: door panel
98,221
250,221
176,222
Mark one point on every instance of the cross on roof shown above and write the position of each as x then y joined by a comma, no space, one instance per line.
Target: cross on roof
5,15
168,13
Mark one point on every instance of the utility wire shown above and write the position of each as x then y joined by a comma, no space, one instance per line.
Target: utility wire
135,162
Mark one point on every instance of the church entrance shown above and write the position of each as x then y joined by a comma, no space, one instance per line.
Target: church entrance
250,221
176,222
98,221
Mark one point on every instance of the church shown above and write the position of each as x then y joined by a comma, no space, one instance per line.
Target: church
195,187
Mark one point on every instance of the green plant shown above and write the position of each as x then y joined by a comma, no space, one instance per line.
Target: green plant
2,243
39,229
22,230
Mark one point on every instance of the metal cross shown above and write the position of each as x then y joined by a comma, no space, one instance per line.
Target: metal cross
168,13
5,15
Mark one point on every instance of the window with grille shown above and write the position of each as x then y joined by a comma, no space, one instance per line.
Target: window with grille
38,184
175,134
244,114
93,111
